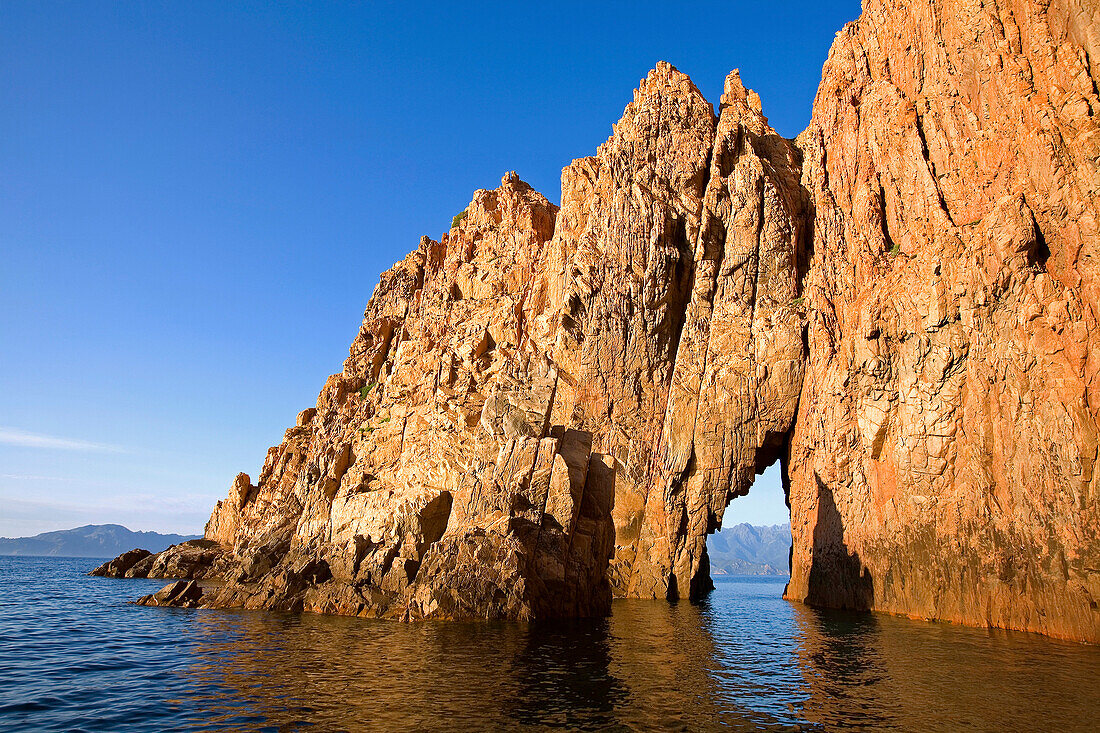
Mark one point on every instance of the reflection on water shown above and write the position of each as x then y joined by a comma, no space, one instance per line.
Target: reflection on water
75,655
911,675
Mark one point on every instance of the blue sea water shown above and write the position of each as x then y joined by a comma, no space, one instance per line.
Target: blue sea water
75,656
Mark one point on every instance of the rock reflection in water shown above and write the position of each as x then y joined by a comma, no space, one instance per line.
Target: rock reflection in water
743,660
894,673
651,665
351,674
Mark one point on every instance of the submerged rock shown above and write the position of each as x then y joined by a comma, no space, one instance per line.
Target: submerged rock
182,593
547,407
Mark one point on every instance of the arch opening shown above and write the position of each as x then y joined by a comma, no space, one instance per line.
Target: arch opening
755,534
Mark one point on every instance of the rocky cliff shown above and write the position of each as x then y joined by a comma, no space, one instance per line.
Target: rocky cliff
549,407
944,458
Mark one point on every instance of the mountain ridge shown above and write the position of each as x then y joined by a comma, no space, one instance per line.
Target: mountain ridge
89,540
750,549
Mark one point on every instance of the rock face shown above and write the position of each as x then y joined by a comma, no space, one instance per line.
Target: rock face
431,479
944,459
545,408
677,245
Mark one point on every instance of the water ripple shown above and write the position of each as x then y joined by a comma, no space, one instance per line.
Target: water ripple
74,655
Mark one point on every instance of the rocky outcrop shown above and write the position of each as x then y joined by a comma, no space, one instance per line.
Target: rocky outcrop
547,407
500,430
430,480
118,567
677,245
192,559
738,368
943,463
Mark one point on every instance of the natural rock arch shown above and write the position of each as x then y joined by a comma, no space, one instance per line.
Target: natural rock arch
901,305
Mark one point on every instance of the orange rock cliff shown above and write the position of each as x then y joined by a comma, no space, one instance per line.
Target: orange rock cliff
548,408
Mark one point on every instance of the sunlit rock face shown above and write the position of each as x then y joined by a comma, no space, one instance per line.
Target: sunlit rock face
680,347
546,408
430,480
943,462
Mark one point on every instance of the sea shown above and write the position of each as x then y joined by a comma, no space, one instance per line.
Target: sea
76,655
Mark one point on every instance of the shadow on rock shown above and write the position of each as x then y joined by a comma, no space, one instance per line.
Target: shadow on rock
838,579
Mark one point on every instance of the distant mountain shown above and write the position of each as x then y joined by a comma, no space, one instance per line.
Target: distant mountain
745,549
92,540
742,549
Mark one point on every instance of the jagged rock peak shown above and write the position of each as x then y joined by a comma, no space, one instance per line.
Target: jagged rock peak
736,95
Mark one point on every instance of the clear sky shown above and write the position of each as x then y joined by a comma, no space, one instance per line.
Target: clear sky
198,198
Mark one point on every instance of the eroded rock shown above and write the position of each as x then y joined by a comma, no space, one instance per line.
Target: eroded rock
943,462
182,593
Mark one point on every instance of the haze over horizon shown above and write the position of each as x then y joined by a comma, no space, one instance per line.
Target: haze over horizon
199,203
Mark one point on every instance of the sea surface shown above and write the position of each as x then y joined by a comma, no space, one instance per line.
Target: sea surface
75,656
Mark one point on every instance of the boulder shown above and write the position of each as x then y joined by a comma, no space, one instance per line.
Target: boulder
121,565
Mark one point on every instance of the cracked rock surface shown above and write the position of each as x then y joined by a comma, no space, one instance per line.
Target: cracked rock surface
943,462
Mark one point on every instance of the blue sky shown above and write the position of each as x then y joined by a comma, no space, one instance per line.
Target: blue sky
198,199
